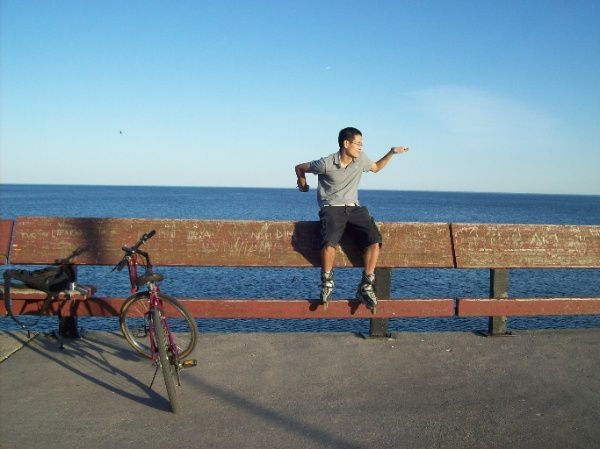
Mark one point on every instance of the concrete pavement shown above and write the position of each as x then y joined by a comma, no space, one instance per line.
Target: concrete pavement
538,389
11,342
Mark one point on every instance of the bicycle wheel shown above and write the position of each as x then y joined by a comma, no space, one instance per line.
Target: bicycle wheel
168,361
134,320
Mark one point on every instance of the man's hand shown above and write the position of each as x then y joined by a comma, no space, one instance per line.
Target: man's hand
302,185
301,170
387,157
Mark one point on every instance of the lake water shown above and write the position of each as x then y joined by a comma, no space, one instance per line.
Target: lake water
289,204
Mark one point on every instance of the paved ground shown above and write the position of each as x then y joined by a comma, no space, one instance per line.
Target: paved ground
11,342
538,389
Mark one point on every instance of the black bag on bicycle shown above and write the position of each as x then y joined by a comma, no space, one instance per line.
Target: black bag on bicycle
50,280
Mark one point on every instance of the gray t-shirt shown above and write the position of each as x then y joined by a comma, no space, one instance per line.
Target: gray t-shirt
339,186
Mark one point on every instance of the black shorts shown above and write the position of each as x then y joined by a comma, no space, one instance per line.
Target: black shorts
337,219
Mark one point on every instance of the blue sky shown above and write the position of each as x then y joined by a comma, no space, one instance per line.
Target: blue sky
499,96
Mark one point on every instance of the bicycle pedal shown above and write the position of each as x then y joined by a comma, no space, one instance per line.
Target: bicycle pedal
189,363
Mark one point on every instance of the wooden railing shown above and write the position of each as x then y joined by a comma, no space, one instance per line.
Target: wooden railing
495,247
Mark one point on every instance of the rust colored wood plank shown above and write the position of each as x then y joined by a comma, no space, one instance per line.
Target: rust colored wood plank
32,305
528,306
415,245
253,308
6,227
278,308
219,243
526,246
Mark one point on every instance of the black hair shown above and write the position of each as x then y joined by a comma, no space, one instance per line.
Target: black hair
347,134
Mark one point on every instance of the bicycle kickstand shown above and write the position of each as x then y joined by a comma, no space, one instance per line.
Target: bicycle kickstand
153,377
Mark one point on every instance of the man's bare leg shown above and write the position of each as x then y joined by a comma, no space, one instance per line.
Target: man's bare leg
370,258
327,259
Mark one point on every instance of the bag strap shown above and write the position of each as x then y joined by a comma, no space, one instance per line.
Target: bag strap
8,274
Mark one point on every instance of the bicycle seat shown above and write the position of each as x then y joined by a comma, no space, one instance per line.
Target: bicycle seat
149,277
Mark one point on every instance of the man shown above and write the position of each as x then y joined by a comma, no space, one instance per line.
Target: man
339,175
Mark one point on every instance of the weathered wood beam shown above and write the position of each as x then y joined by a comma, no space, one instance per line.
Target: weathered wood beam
526,246
252,308
528,306
6,227
44,240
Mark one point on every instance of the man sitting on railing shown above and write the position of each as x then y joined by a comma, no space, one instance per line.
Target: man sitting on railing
339,175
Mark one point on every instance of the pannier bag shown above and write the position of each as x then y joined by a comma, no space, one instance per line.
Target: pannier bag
50,280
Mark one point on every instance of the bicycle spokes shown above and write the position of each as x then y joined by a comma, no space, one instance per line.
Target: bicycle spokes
154,324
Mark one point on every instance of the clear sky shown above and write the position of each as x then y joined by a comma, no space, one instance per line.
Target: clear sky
499,96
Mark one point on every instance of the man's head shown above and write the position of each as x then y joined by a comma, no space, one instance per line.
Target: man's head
350,140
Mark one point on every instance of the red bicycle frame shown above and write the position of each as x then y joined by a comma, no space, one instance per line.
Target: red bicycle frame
153,289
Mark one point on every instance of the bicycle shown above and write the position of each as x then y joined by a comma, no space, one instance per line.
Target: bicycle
156,325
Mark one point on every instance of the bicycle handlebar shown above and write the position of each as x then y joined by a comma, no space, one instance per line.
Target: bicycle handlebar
143,239
135,248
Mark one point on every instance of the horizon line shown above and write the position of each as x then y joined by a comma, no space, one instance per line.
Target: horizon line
293,188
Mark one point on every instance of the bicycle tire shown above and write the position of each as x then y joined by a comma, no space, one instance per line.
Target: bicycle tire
168,362
134,320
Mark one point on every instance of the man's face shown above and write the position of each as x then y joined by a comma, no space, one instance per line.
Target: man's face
353,147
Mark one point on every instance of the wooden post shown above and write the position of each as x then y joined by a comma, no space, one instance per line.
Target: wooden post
498,290
67,327
383,287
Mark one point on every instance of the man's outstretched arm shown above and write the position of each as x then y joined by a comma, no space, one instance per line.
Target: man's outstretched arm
301,170
388,156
